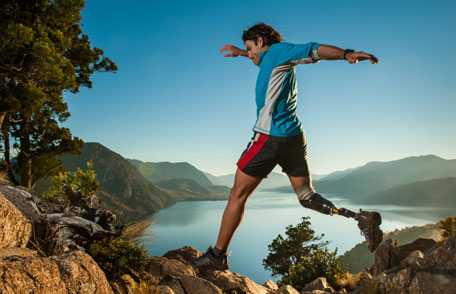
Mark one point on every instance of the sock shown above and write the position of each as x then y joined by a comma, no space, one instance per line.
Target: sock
306,193
217,252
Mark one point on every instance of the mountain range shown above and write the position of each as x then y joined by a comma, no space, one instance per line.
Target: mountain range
131,194
124,189
163,171
418,180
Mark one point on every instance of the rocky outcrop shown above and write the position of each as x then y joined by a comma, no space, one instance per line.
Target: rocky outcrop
431,271
75,272
55,266
173,273
389,255
15,228
319,284
57,228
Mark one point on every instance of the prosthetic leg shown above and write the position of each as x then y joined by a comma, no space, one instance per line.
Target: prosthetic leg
318,203
368,222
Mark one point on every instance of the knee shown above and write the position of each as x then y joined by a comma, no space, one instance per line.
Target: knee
238,195
304,192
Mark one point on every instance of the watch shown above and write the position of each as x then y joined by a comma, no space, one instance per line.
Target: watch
346,51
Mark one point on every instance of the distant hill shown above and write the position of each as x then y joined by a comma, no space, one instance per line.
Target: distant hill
336,175
123,188
163,171
188,189
431,193
377,176
360,182
214,179
359,258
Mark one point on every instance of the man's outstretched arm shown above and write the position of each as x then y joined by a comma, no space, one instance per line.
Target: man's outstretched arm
296,52
329,52
233,51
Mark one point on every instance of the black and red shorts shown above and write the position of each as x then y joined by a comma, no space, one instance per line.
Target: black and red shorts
264,152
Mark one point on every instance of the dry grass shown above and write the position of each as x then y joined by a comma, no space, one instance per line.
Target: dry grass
3,177
134,230
351,281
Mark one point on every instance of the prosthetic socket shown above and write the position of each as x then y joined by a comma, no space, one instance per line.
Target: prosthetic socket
316,202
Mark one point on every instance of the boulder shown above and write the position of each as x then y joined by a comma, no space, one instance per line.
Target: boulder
127,285
232,282
190,285
15,228
24,201
164,290
184,254
17,251
319,284
75,272
270,284
442,258
161,266
287,289
413,259
389,255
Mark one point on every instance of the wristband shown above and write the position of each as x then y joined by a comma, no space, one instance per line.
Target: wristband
314,55
346,51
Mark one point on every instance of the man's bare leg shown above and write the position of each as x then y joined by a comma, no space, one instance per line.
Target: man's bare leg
243,187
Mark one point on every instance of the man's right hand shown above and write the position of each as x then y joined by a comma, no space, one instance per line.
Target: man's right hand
232,51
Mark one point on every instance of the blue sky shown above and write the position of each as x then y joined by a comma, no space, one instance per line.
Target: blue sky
175,98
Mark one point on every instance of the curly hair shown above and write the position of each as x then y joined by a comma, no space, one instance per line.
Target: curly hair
268,33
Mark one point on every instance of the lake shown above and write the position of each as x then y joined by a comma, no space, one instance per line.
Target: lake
196,224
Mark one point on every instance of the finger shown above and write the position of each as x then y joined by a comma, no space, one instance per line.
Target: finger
374,59
224,48
371,57
364,55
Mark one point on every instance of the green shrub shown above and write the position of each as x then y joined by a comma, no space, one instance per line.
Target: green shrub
3,174
448,227
80,181
302,257
119,256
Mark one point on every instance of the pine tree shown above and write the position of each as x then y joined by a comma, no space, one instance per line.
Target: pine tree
43,54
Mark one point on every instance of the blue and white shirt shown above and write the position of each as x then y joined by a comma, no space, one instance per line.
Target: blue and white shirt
276,88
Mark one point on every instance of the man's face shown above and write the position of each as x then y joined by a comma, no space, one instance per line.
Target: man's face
254,50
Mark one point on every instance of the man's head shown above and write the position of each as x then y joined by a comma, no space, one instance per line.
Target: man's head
258,38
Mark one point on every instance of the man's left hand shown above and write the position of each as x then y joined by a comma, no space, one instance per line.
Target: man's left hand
355,57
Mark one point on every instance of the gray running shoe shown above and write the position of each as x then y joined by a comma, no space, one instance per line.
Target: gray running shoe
210,261
369,224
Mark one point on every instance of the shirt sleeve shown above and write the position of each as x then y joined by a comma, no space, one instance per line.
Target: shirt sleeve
297,53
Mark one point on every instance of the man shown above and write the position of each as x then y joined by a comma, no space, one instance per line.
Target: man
278,136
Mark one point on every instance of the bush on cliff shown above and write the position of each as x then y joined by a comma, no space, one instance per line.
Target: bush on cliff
448,227
119,256
81,182
302,257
